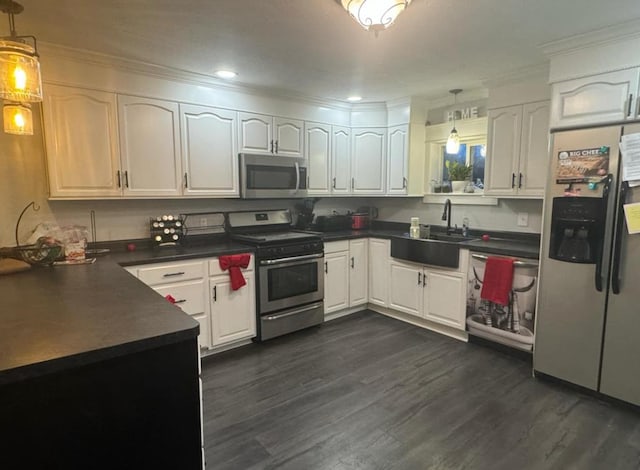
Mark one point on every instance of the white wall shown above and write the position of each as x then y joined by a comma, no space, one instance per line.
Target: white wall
501,217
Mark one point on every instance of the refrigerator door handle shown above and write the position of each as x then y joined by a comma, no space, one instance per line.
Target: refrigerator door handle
605,201
617,247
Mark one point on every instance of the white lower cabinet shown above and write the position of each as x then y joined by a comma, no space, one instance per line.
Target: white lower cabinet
201,289
432,294
379,271
233,315
345,274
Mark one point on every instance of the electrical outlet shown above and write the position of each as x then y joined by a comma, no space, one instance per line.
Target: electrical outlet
523,219
203,221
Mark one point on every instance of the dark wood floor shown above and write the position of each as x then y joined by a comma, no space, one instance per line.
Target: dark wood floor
370,392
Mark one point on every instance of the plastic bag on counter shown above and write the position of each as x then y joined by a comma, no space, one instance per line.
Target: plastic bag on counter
74,238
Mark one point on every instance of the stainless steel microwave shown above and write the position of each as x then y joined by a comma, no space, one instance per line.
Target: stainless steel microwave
270,176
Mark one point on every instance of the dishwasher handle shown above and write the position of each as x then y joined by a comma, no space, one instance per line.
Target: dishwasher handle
516,262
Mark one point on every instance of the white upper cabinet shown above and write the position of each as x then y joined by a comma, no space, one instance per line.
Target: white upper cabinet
340,160
150,146
599,99
260,133
209,151
81,133
317,138
255,133
368,158
287,137
398,159
517,150
534,149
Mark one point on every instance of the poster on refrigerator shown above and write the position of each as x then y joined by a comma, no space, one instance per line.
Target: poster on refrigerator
582,165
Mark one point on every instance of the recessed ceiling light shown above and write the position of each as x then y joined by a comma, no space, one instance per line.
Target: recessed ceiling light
226,74
354,98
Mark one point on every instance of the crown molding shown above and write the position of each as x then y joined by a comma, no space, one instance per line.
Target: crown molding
540,71
185,76
613,33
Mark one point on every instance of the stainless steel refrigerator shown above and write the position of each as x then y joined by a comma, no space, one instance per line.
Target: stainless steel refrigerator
588,319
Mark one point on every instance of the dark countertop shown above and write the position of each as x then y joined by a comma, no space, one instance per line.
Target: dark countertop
54,318
167,254
500,243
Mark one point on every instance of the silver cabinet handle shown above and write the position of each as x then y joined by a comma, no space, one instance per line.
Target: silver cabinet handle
173,274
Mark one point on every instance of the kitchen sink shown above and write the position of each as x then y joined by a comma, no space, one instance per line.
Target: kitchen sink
452,237
437,252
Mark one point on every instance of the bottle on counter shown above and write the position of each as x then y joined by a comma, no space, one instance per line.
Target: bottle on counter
414,230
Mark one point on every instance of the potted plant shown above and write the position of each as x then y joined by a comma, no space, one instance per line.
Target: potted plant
459,174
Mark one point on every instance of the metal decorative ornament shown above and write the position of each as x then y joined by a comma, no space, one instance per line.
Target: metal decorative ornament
375,15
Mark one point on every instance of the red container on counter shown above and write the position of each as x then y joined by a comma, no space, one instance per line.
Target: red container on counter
360,221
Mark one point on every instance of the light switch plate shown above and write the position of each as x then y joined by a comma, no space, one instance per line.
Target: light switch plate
523,219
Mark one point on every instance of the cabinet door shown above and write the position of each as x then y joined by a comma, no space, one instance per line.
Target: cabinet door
317,141
534,149
379,271
255,133
336,281
368,161
599,99
341,160
233,313
287,137
150,146
358,272
81,134
209,151
444,298
503,147
405,288
398,159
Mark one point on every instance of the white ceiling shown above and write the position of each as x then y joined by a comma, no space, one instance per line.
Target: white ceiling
313,48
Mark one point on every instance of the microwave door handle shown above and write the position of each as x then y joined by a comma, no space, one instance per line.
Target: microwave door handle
617,247
297,176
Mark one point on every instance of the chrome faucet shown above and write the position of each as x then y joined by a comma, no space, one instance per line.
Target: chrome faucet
446,215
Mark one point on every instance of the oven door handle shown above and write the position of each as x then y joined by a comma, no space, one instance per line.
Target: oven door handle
297,176
295,312
271,262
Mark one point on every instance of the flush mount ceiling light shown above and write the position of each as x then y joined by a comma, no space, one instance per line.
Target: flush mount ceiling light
354,98
453,142
19,66
17,119
226,74
374,15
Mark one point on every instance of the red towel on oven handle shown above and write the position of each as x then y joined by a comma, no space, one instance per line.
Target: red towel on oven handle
497,281
233,263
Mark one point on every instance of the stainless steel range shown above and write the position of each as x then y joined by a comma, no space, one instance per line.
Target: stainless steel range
290,287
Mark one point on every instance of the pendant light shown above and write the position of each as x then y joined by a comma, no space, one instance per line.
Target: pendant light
17,118
19,66
375,15
453,142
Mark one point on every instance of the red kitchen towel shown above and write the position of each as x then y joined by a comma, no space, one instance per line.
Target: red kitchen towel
498,278
233,263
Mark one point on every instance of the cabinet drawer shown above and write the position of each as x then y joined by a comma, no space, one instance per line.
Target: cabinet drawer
173,272
189,295
214,267
334,247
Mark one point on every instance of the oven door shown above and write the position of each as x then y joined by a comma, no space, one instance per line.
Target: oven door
289,282
272,177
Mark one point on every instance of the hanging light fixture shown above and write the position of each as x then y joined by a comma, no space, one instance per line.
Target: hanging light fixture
453,142
19,66
17,118
375,15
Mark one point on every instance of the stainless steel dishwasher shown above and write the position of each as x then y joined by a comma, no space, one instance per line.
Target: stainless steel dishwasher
512,324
